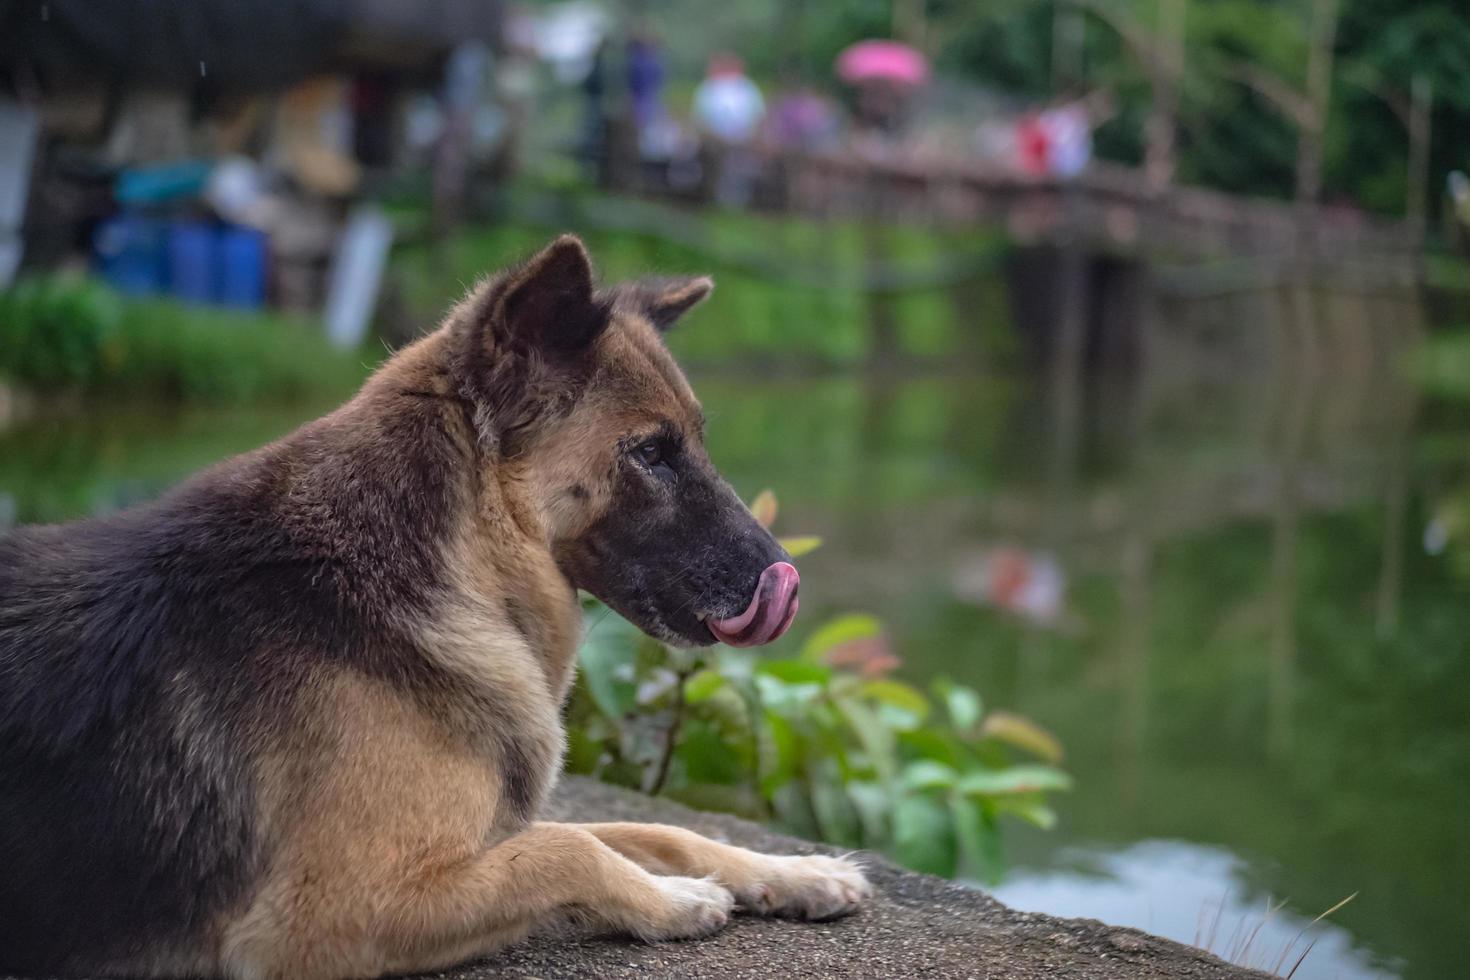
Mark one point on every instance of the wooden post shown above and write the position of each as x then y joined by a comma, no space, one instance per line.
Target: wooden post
1421,105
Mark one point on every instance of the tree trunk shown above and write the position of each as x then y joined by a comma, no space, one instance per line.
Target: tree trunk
910,22
1068,30
1421,104
1322,39
1162,126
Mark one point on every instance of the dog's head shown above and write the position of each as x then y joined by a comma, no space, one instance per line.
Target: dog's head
575,391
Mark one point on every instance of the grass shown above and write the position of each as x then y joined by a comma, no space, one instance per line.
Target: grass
1238,948
63,335
790,291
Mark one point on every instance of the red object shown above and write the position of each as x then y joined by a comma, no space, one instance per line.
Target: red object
882,61
1010,574
1033,146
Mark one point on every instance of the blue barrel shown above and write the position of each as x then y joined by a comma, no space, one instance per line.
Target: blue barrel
243,253
193,261
131,254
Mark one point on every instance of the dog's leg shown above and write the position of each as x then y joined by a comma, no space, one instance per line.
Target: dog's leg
470,907
811,887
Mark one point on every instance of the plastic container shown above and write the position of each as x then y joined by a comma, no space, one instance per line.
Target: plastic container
131,254
194,261
242,269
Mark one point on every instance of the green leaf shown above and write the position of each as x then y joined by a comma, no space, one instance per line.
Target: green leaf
835,632
793,808
706,757
836,814
1015,779
898,695
608,662
872,804
1022,733
781,754
924,835
703,686
926,743
925,774
802,544
1037,814
875,737
979,839
961,703
791,670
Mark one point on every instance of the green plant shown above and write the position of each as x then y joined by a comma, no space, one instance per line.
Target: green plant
72,335
825,741
58,332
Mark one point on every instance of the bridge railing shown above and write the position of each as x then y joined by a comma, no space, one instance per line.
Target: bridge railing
1108,206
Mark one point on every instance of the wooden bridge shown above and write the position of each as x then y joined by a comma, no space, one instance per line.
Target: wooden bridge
1108,209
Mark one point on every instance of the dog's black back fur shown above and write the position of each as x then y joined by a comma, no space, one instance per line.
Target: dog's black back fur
139,654
89,638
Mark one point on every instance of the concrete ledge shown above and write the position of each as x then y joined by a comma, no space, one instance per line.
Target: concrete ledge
917,926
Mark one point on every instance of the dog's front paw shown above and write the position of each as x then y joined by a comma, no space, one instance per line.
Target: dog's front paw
693,907
815,887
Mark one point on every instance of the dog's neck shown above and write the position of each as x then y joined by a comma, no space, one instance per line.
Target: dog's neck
499,554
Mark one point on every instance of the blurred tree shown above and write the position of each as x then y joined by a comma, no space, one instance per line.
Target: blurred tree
1305,98
1292,72
1405,103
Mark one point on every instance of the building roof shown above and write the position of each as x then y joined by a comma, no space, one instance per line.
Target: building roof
239,44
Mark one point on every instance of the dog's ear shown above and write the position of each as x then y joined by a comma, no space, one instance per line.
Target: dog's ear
663,301
517,341
548,305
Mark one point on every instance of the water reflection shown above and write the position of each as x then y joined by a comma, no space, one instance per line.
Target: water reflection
1254,654
1193,894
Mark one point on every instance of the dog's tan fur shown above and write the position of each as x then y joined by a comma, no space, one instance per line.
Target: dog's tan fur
389,849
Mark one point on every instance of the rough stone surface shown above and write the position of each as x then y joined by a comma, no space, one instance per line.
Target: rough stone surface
916,926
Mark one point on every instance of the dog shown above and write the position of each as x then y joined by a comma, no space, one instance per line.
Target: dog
296,718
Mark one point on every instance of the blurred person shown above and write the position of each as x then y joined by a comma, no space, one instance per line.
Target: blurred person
645,78
728,107
595,119
464,78
802,119
1033,146
882,107
727,104
1068,139
887,77
661,141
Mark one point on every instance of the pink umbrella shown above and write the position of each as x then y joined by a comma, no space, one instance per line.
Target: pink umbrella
882,61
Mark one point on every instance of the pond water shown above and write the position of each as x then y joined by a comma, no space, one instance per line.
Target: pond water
1258,672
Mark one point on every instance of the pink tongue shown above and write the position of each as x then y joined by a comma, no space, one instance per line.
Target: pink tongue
769,614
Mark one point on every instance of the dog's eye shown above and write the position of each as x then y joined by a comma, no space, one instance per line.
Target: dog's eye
649,453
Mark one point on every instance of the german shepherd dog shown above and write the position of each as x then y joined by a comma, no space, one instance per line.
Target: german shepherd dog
296,718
